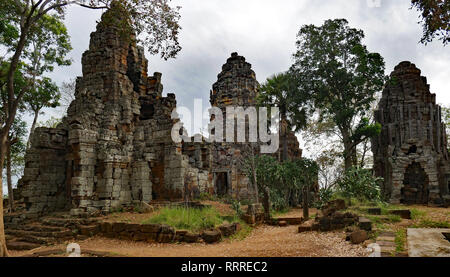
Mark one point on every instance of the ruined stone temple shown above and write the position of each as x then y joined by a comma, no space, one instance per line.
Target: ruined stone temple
411,151
114,147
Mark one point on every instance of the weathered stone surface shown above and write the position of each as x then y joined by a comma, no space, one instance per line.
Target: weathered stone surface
374,211
227,229
91,230
191,237
365,224
333,206
405,214
21,245
411,151
211,236
358,237
428,243
306,227
150,228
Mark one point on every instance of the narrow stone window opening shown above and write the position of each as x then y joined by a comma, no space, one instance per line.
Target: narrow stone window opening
412,150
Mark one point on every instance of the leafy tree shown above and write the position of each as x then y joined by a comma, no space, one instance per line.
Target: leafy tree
300,176
435,19
15,156
48,46
154,19
43,94
283,183
52,122
264,170
341,77
360,183
279,90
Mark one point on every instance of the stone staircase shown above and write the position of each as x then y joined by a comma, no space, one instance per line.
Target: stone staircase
48,230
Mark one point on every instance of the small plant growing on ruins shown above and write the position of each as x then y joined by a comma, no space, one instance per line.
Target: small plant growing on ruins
417,214
236,206
400,240
427,223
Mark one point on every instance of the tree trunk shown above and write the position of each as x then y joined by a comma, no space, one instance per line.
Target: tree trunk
349,151
266,204
255,181
3,249
305,203
284,156
33,126
9,178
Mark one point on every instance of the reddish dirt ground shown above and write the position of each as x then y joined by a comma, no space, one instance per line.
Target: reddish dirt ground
264,241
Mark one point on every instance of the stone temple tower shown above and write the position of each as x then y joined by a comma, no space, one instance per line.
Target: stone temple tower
411,151
236,86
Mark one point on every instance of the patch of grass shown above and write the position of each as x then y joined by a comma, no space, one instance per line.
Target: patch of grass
207,196
243,233
417,214
426,223
400,240
277,213
187,218
393,218
390,218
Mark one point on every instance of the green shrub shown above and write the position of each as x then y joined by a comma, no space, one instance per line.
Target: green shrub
236,206
360,183
325,195
284,180
191,219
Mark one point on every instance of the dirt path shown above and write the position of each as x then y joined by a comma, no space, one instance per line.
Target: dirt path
264,241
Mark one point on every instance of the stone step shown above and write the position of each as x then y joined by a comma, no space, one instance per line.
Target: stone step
38,240
65,222
46,234
386,238
40,228
21,245
384,243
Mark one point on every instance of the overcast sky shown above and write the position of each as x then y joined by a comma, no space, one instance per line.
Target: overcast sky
264,31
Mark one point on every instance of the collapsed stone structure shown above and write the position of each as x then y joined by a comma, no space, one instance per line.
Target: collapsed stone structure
115,148
411,151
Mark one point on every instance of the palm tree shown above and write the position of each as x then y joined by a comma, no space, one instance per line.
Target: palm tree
281,90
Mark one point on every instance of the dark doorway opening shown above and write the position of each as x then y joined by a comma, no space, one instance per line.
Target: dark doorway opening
222,185
447,236
415,185
412,150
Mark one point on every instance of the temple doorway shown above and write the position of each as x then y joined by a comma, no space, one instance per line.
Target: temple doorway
415,185
222,186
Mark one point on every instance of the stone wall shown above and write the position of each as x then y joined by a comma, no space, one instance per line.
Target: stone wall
44,187
411,151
